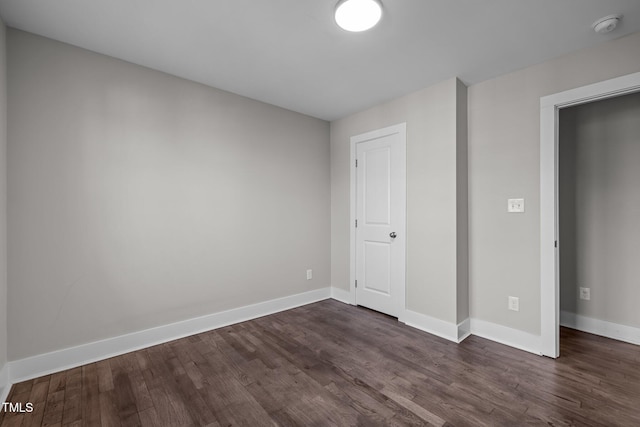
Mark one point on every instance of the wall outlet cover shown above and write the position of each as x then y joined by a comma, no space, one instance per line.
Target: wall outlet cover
585,294
309,274
515,205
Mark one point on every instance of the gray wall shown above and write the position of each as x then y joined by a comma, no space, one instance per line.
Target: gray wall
137,199
432,194
3,197
462,203
600,209
567,209
504,151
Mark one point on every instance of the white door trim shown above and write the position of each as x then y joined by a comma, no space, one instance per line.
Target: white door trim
549,260
399,129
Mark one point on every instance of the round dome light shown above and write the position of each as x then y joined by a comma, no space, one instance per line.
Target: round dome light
358,15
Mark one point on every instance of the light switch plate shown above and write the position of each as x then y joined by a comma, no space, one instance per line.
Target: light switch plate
515,206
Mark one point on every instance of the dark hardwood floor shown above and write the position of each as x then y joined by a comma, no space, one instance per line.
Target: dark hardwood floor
333,364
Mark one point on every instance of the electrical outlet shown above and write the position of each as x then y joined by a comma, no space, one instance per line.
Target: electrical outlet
309,274
585,293
515,206
514,303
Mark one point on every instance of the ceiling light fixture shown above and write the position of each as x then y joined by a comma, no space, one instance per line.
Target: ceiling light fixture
358,15
607,24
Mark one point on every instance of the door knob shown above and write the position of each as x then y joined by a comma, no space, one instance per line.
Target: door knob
392,234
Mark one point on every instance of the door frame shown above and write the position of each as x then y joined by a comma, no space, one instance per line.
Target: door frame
400,129
549,224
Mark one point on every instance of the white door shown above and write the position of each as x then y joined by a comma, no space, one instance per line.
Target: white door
380,220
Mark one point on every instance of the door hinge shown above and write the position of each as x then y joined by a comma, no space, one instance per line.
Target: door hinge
356,223
556,244
356,162
356,283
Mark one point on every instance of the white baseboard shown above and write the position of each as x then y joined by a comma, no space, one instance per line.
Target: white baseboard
44,364
419,321
5,384
341,295
507,336
600,327
438,327
464,329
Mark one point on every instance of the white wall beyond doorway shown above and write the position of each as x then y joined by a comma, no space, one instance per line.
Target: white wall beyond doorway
599,207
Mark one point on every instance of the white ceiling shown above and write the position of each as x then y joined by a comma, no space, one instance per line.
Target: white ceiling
290,53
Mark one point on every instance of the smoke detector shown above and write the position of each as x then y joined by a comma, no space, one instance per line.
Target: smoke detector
607,24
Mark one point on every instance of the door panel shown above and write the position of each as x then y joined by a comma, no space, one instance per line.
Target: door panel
377,188
377,275
380,211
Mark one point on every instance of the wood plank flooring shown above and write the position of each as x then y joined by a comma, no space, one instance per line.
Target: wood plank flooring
333,364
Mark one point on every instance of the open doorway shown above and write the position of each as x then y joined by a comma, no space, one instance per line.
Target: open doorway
599,217
550,243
